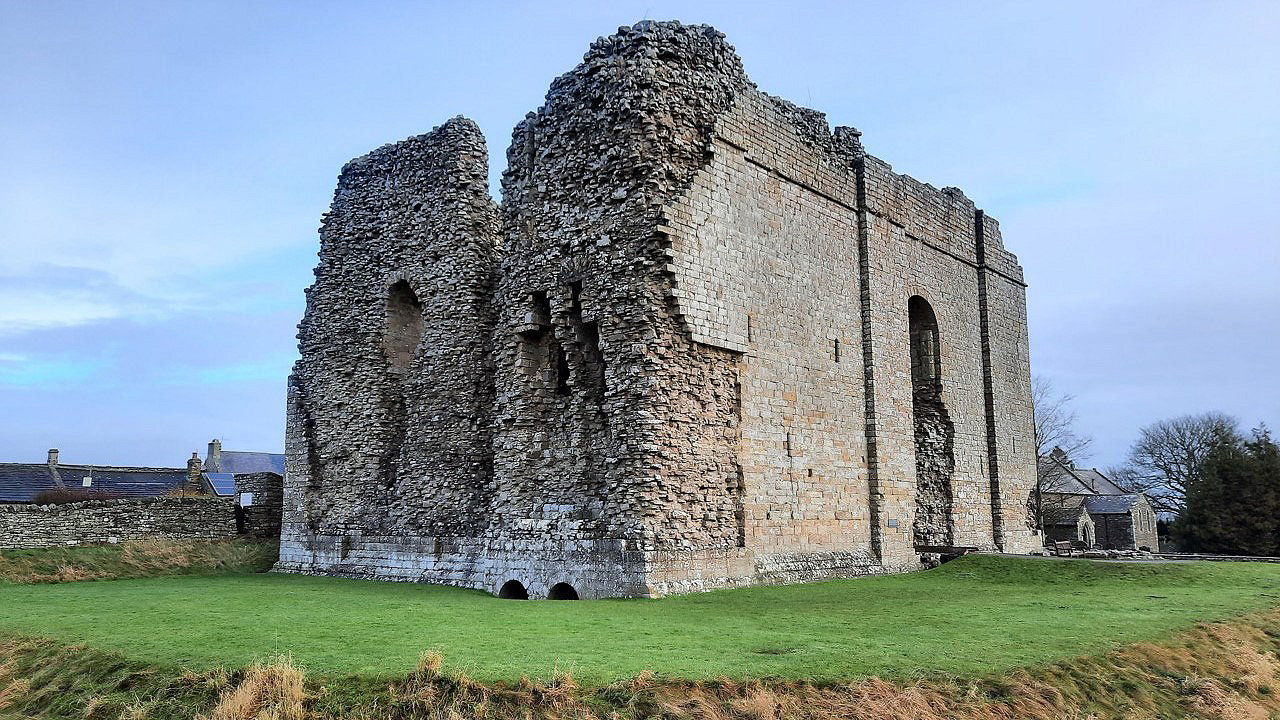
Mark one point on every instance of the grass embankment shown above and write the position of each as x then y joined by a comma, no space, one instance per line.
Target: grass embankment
136,559
1225,670
974,616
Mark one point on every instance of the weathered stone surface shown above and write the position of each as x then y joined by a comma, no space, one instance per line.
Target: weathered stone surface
263,516
689,366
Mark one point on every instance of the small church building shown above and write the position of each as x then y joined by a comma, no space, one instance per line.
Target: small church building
1085,507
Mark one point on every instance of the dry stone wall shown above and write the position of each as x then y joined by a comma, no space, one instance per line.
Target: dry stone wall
688,366
110,521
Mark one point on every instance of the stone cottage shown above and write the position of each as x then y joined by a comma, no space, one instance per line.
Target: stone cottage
705,341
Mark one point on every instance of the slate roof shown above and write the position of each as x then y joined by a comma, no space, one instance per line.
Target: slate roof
1099,482
238,463
21,482
1066,514
1111,504
125,482
1060,477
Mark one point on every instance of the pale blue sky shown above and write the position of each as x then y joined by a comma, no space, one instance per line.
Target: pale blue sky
165,166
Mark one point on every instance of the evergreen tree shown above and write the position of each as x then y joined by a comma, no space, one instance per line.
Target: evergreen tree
1266,467
1234,507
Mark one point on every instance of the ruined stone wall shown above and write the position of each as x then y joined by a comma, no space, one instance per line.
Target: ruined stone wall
934,431
390,403
798,252
920,243
1011,425
599,404
261,518
111,521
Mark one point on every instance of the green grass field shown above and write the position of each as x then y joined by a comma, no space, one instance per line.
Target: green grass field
974,615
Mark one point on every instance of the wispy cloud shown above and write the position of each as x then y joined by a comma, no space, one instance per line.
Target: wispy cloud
23,311
35,372
57,296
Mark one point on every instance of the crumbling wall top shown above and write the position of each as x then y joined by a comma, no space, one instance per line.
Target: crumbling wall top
637,114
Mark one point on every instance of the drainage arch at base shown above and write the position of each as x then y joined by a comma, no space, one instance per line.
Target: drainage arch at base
562,591
513,590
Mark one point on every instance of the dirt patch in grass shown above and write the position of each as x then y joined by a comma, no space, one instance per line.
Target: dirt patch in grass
1225,671
135,559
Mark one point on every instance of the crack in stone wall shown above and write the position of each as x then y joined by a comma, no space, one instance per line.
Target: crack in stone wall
935,463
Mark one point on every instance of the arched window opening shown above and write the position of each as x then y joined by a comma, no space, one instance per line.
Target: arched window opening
404,326
934,431
513,590
592,361
926,358
575,299
562,591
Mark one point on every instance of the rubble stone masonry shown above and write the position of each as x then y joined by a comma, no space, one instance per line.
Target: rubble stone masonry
683,354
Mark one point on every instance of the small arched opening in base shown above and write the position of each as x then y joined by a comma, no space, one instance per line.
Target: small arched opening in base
513,590
562,591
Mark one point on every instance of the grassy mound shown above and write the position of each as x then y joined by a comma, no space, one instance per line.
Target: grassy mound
135,559
974,616
1221,670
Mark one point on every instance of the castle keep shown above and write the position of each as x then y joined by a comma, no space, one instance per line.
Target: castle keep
705,341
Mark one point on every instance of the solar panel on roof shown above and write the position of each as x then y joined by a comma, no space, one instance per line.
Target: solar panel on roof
223,483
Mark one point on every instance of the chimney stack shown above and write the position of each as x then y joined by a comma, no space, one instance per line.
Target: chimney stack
214,459
195,482
53,456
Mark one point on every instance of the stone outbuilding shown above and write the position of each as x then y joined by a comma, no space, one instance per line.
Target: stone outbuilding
1067,519
705,341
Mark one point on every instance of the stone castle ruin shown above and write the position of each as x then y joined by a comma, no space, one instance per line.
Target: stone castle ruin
704,342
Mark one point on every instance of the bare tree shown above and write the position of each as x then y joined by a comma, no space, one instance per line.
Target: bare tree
1055,428
1165,461
1056,421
